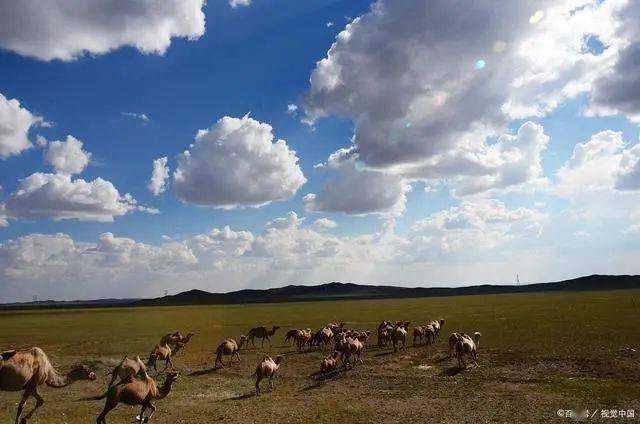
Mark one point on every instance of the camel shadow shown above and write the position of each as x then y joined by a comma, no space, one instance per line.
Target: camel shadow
450,372
204,372
384,353
445,358
242,397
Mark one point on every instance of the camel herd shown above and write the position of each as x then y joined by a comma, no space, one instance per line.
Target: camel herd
26,370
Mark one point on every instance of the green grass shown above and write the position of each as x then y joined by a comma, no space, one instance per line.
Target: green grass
537,351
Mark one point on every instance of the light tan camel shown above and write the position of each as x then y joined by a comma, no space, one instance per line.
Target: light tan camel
261,333
329,364
465,345
349,347
171,338
429,334
304,338
242,341
399,335
162,353
25,370
134,391
126,367
227,347
267,368
384,333
181,342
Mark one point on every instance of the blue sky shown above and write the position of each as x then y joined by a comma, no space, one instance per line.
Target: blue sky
443,201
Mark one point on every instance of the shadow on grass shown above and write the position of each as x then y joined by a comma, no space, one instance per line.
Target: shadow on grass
204,372
391,352
450,372
244,396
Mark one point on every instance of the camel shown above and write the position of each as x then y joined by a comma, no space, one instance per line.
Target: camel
227,347
290,336
181,342
429,334
349,347
26,370
163,353
242,341
465,345
437,326
171,338
329,364
418,334
384,333
261,333
133,391
267,368
453,339
304,337
399,334
126,367
323,337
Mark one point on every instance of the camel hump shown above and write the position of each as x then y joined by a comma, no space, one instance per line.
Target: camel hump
6,355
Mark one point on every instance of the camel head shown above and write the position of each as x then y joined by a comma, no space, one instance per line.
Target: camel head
275,327
476,336
171,377
279,359
152,359
81,372
441,323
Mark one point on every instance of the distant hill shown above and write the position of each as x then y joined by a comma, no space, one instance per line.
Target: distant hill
337,291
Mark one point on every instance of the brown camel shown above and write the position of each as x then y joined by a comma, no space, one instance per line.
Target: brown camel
25,370
126,367
133,391
162,353
261,333
267,368
227,347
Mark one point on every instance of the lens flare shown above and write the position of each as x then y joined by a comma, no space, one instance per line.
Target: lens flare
536,17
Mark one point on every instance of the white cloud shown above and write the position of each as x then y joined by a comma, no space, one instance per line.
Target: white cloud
478,225
292,109
142,117
15,122
58,197
618,92
602,164
357,190
235,163
56,266
159,176
238,3
325,224
67,157
291,220
67,30
429,98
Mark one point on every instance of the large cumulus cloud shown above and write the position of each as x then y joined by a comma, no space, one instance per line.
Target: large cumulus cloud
236,163
66,30
15,123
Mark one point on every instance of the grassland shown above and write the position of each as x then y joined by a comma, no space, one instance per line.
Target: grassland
539,352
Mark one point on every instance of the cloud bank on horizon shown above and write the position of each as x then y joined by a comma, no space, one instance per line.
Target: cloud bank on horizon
485,139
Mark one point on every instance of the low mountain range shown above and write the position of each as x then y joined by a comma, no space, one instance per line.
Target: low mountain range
338,291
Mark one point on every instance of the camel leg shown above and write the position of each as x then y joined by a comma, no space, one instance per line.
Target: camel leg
108,406
153,410
262,345
258,386
271,382
142,409
268,340
39,403
25,396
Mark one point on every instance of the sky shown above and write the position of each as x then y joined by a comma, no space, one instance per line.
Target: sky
163,145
